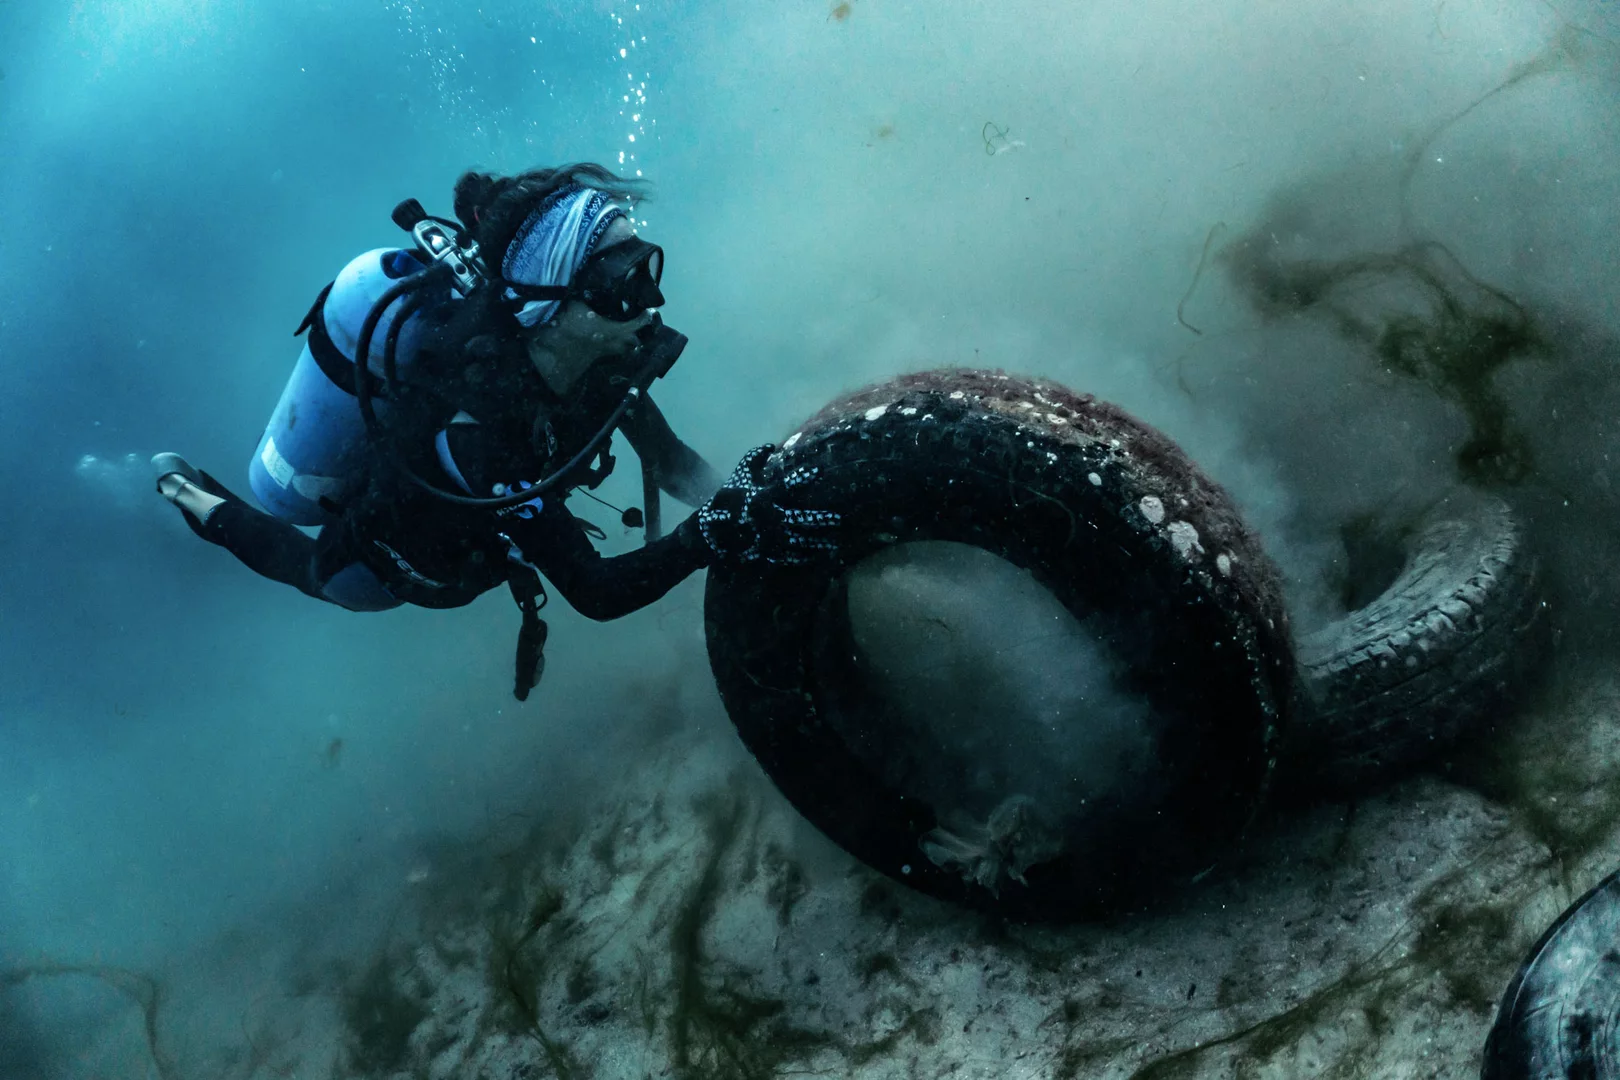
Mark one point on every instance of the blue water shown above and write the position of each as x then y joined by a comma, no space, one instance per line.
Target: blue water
190,755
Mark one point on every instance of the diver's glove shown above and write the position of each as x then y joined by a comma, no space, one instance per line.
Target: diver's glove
747,520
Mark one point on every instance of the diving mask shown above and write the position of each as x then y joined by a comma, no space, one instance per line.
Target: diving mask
618,283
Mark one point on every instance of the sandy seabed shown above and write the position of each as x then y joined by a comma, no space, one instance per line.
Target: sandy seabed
688,923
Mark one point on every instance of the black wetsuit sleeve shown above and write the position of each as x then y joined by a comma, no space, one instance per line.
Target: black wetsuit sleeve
601,587
681,471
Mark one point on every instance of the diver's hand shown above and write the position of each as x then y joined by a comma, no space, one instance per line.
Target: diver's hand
747,521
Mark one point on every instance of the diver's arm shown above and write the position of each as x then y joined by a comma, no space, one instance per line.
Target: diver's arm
680,470
750,519
603,588
555,542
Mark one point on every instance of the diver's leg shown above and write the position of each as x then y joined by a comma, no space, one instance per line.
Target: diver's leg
326,567
266,545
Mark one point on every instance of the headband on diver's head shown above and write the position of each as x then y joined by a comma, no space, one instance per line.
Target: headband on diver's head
553,258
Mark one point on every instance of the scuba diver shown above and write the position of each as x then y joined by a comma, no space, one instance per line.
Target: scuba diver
440,468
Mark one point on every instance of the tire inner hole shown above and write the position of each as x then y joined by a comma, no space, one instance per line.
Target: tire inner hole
981,694
1375,553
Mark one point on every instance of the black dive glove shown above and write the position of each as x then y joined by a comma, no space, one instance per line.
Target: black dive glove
746,521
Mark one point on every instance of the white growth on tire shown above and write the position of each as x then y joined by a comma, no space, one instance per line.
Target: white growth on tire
876,411
1152,508
1184,538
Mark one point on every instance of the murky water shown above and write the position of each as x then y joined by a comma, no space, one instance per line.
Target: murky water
1353,258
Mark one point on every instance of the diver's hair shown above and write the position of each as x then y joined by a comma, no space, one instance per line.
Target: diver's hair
493,208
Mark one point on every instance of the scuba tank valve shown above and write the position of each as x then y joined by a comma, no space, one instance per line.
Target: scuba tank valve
453,248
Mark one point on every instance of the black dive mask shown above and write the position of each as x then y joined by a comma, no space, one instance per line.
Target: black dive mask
618,283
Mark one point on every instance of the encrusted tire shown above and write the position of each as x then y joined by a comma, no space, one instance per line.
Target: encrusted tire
1123,529
1560,1017
1443,648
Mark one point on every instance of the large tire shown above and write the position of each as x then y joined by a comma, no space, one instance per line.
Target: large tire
1106,513
1560,1017
1444,647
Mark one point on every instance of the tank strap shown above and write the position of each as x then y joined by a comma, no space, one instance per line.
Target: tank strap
314,310
333,364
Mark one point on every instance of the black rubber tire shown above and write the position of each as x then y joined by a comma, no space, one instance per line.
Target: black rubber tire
1560,1017
1447,645
1106,513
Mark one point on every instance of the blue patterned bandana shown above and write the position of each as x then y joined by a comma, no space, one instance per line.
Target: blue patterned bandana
554,243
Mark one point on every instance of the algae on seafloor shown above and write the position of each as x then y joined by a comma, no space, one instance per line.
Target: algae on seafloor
1076,1058
516,971
1461,941
511,972
1467,946
920,1024
881,963
719,1026
380,1017
786,884
1559,772
723,1031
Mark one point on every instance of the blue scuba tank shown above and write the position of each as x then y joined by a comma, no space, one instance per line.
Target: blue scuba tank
312,452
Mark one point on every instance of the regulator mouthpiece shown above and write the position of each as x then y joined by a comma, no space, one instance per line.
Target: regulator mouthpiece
661,346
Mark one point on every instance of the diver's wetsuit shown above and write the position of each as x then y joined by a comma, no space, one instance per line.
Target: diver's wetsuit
394,543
